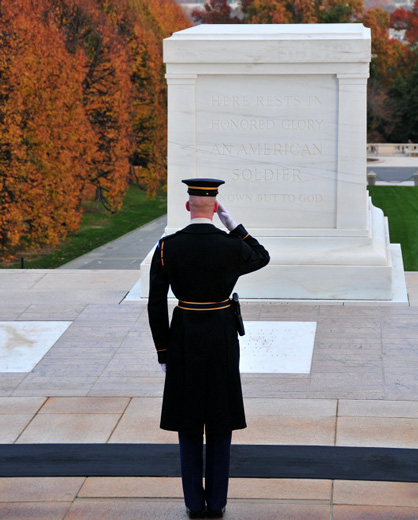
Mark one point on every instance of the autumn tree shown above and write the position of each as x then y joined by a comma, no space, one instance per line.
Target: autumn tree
267,11
107,92
301,11
142,25
45,138
408,21
134,30
304,12
214,12
388,54
83,97
150,24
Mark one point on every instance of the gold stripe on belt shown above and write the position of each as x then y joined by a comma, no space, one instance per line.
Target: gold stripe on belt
204,306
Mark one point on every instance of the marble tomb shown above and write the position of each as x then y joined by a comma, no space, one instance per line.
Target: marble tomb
279,113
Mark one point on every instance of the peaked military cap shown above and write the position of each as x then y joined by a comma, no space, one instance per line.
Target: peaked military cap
203,187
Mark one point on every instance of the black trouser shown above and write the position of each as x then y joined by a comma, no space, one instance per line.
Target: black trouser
214,494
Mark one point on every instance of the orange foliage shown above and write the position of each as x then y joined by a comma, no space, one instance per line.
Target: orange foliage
82,94
388,54
301,11
142,25
268,11
408,20
45,141
151,22
304,11
106,92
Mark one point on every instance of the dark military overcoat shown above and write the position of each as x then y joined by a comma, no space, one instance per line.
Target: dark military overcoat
201,263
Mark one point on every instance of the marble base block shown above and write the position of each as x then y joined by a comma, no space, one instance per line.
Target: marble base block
326,267
312,282
323,267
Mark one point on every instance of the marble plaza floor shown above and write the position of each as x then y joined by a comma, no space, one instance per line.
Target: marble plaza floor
99,382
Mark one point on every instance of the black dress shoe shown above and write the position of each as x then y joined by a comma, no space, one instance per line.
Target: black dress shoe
215,514
197,514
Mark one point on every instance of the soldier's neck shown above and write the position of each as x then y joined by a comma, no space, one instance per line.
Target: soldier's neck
201,220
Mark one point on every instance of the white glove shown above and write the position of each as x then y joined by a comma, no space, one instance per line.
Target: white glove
226,218
163,367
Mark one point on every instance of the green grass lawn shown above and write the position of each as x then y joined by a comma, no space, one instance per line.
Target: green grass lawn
97,228
400,205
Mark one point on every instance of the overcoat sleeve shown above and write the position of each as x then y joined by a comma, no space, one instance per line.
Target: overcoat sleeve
157,305
253,255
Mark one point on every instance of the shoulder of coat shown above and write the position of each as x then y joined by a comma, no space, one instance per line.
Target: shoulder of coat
165,238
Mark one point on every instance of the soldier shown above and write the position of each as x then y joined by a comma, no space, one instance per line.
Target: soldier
199,351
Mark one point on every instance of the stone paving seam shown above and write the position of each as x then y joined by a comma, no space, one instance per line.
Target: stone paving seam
331,512
40,408
23,312
27,425
336,422
118,422
79,489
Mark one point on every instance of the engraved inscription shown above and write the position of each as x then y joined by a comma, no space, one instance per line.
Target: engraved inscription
273,140
272,198
265,101
242,124
305,198
267,175
276,149
266,124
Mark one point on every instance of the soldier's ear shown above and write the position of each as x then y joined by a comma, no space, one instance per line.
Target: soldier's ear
215,207
188,206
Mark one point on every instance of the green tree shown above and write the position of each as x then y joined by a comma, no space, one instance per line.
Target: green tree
404,94
339,11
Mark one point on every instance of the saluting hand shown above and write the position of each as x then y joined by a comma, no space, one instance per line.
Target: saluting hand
226,218
163,367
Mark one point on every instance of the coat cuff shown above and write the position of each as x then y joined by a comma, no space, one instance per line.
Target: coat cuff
240,231
162,356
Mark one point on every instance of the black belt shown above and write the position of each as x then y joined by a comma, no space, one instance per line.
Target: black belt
206,306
